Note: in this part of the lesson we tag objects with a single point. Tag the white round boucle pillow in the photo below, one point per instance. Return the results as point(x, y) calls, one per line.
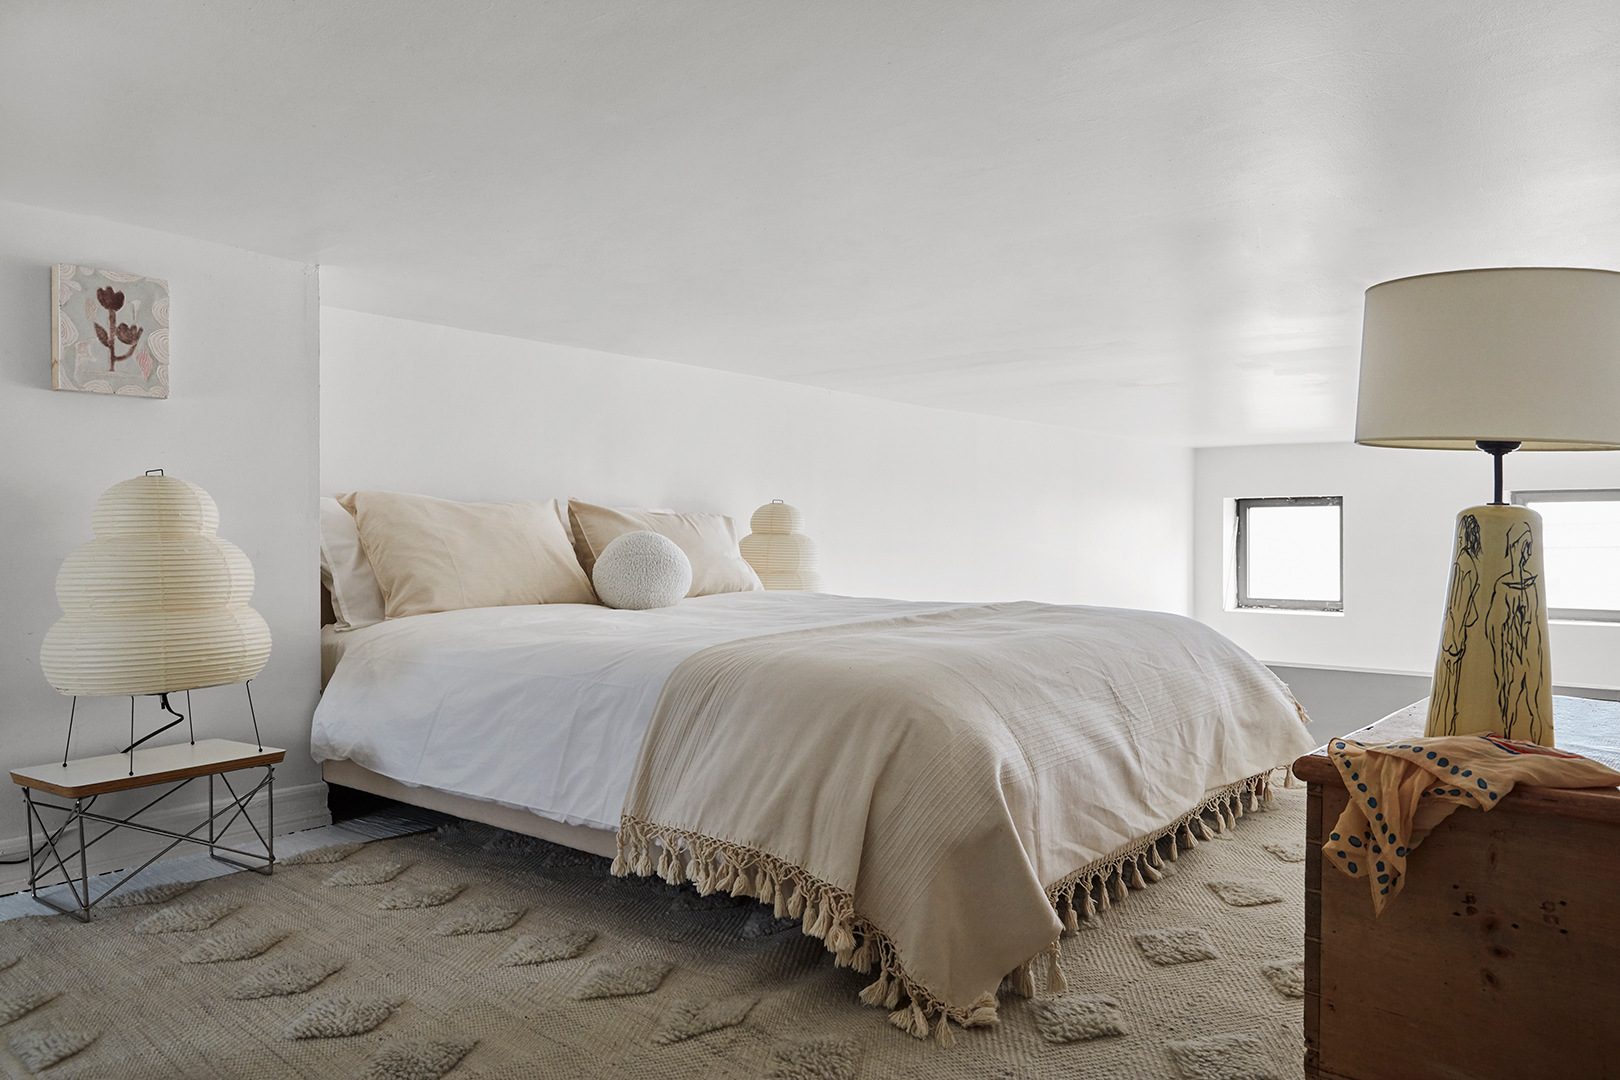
point(641, 570)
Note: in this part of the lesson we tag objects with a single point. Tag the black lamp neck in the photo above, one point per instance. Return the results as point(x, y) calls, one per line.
point(1497, 450)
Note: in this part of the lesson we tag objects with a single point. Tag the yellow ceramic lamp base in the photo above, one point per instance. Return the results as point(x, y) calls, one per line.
point(1494, 670)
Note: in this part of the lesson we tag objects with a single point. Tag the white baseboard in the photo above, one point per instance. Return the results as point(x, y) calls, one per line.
point(297, 808)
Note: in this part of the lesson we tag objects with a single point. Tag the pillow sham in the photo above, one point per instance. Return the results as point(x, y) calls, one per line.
point(709, 541)
point(357, 599)
point(582, 550)
point(437, 555)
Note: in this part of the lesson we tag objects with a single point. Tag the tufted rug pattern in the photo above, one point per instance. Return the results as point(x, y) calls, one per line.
point(475, 953)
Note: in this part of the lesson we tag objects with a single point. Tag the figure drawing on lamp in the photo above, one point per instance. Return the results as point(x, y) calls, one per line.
point(1514, 629)
point(1462, 612)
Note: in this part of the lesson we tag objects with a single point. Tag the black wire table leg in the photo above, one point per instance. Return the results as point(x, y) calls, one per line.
point(33, 875)
point(84, 860)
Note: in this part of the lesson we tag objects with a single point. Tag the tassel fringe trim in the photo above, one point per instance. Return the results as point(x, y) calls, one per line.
point(826, 912)
point(829, 913)
point(1088, 890)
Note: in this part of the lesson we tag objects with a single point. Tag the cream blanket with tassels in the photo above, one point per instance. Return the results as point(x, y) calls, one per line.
point(931, 792)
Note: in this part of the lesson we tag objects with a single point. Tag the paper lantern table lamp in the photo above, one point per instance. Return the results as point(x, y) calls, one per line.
point(156, 603)
point(778, 550)
point(1500, 360)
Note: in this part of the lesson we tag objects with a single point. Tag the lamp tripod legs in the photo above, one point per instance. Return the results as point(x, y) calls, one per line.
point(72, 711)
point(248, 686)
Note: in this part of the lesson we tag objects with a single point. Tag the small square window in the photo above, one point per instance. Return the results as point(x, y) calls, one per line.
point(1580, 551)
point(1289, 553)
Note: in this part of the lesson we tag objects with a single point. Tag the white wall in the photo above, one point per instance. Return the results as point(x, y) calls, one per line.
point(903, 501)
point(1399, 507)
point(242, 423)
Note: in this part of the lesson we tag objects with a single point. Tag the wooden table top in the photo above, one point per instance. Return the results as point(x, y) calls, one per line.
point(1584, 726)
point(153, 765)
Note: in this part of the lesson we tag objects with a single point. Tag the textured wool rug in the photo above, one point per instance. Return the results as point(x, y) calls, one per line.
point(475, 953)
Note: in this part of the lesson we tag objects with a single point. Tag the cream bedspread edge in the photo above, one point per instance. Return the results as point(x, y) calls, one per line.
point(933, 793)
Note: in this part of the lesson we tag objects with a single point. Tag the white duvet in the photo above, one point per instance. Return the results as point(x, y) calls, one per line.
point(542, 708)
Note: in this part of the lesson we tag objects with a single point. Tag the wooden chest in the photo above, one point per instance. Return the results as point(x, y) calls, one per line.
point(1501, 957)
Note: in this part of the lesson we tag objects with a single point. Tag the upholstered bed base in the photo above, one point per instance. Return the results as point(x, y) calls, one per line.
point(582, 837)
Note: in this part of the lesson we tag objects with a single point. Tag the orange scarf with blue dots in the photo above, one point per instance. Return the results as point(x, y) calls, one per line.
point(1400, 791)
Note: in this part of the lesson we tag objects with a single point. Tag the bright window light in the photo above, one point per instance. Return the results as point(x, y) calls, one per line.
point(1581, 551)
point(1289, 553)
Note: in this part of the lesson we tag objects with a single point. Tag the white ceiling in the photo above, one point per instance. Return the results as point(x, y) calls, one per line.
point(1153, 219)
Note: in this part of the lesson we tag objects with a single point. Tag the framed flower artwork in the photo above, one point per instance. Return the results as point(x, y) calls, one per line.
point(111, 332)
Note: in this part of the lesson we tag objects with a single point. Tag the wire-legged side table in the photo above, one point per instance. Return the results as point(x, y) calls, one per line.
point(85, 779)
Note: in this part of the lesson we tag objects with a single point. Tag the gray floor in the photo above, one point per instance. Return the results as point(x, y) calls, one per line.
point(1340, 701)
point(397, 820)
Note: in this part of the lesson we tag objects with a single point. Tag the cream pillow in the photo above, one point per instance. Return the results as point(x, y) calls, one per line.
point(709, 540)
point(436, 555)
point(357, 599)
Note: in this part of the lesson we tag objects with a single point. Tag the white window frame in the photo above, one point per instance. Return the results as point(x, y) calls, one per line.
point(1525, 498)
point(1240, 558)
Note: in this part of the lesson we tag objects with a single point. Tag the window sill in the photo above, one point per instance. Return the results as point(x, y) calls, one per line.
point(1284, 611)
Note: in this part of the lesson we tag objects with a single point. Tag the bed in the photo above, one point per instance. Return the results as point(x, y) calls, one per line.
point(937, 791)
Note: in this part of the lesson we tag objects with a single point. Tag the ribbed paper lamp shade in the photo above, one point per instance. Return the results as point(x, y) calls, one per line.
point(156, 602)
point(778, 550)
point(1522, 354)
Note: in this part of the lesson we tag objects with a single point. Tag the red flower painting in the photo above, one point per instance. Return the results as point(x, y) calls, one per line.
point(115, 333)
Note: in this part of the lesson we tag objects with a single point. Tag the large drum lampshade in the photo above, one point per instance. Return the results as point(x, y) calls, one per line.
point(1525, 354)
point(156, 602)
point(780, 553)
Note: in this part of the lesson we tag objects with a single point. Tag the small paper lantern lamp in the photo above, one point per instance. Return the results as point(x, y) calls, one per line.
point(778, 550)
point(156, 602)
